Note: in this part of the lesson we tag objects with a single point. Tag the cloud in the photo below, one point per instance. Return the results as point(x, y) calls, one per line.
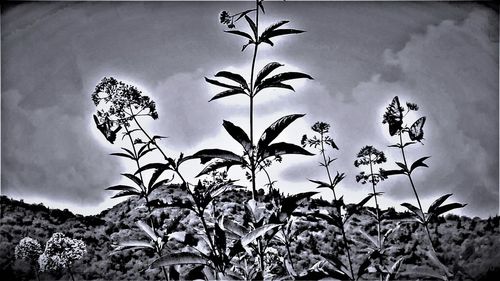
point(451, 71)
point(49, 154)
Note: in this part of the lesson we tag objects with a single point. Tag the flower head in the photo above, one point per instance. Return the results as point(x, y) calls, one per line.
point(61, 252)
point(28, 249)
point(321, 127)
point(224, 17)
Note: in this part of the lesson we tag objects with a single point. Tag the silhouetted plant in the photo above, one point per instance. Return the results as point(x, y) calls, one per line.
point(342, 213)
point(394, 117)
point(370, 156)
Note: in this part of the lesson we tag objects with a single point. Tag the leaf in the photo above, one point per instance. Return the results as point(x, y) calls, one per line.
point(152, 166)
point(178, 259)
point(240, 33)
point(119, 154)
point(290, 203)
point(389, 232)
point(281, 148)
point(148, 230)
point(274, 85)
point(234, 77)
point(157, 173)
point(438, 202)
point(228, 93)
point(363, 268)
point(126, 193)
point(233, 227)
point(414, 210)
point(266, 70)
point(275, 129)
point(443, 209)
point(393, 271)
point(128, 151)
point(402, 166)
point(278, 78)
point(432, 255)
point(321, 184)
point(238, 134)
point(331, 219)
point(217, 164)
point(160, 183)
point(252, 25)
point(146, 151)
point(206, 155)
point(280, 32)
point(256, 233)
point(133, 244)
point(387, 173)
point(220, 84)
point(134, 178)
point(370, 239)
point(419, 163)
point(121, 187)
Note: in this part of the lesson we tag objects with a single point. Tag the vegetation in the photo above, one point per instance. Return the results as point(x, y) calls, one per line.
point(208, 227)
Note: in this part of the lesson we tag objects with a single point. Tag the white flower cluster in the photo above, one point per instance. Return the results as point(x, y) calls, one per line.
point(61, 252)
point(28, 249)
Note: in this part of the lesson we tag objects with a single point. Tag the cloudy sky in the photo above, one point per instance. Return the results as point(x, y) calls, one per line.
point(442, 56)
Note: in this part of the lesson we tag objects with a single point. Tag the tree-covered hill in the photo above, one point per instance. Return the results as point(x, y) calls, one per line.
point(470, 247)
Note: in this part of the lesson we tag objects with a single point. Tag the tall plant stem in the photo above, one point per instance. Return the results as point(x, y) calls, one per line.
point(339, 210)
point(376, 212)
point(165, 273)
point(416, 194)
point(253, 165)
point(184, 182)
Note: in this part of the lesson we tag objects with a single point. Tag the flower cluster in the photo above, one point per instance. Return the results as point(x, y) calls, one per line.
point(28, 249)
point(61, 252)
point(321, 128)
point(368, 155)
point(121, 102)
point(227, 19)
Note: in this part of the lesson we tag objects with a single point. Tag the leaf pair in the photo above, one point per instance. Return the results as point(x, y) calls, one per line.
point(435, 209)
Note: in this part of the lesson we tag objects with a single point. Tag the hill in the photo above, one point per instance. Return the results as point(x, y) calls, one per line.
point(470, 247)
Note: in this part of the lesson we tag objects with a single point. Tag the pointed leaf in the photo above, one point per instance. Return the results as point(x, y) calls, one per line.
point(252, 25)
point(238, 134)
point(234, 77)
point(126, 193)
point(275, 129)
point(121, 187)
point(414, 210)
point(228, 93)
point(150, 166)
point(134, 178)
point(234, 227)
point(133, 244)
point(218, 164)
point(119, 154)
point(280, 32)
point(256, 233)
point(438, 202)
point(393, 271)
point(278, 78)
point(206, 155)
point(443, 209)
point(240, 33)
point(160, 183)
point(290, 203)
point(179, 259)
point(321, 184)
point(265, 71)
point(419, 163)
point(157, 173)
point(282, 148)
point(220, 84)
point(148, 230)
point(270, 28)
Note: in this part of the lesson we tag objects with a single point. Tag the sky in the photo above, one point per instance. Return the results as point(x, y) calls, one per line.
point(441, 55)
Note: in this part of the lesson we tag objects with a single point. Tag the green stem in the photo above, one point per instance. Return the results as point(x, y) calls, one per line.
point(377, 213)
point(339, 209)
point(416, 194)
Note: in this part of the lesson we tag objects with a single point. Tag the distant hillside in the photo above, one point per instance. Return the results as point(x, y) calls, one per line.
point(470, 247)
